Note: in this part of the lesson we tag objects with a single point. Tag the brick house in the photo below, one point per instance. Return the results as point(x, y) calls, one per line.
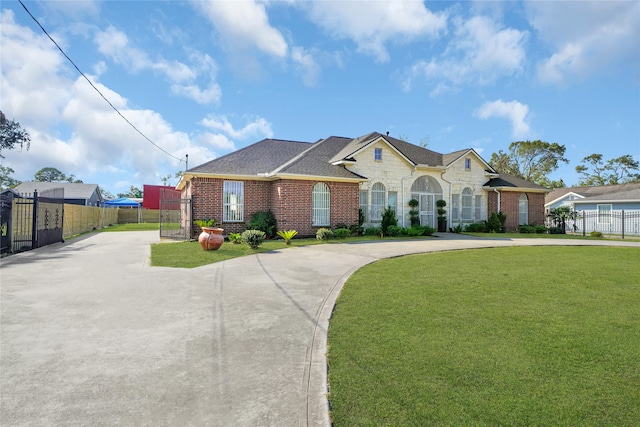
point(321, 184)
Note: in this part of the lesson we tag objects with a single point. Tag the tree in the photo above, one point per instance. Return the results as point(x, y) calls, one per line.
point(49, 174)
point(134, 192)
point(6, 181)
point(530, 160)
point(424, 142)
point(166, 179)
point(105, 194)
point(11, 134)
point(612, 172)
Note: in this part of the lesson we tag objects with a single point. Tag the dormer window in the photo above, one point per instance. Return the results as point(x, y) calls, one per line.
point(467, 164)
point(377, 154)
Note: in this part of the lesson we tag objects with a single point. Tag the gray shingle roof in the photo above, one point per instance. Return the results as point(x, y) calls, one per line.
point(506, 180)
point(590, 191)
point(71, 190)
point(619, 196)
point(262, 157)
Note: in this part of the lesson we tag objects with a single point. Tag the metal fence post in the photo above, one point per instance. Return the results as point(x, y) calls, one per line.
point(34, 221)
point(623, 223)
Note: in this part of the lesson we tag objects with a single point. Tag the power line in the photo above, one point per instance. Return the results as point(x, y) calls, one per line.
point(96, 89)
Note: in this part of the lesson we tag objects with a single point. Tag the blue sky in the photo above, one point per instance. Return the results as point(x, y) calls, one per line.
point(207, 78)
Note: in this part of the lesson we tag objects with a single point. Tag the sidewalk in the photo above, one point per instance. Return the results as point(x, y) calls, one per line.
point(91, 335)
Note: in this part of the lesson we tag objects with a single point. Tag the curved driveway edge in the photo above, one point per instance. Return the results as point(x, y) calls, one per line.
point(91, 335)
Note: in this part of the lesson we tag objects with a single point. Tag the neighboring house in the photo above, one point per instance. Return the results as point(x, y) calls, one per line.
point(74, 193)
point(566, 196)
point(612, 209)
point(321, 184)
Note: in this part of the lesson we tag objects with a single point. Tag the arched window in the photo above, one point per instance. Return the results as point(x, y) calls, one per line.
point(523, 209)
point(378, 194)
point(321, 204)
point(467, 205)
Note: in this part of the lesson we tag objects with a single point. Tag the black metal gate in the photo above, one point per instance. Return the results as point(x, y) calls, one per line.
point(36, 221)
point(175, 215)
point(6, 202)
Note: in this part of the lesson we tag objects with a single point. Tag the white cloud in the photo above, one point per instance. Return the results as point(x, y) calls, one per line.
point(479, 53)
point(306, 65)
point(258, 128)
point(244, 24)
point(586, 37)
point(513, 111)
point(373, 24)
point(115, 45)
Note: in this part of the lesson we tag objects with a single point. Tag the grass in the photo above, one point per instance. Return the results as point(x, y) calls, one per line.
point(190, 254)
point(510, 336)
point(549, 236)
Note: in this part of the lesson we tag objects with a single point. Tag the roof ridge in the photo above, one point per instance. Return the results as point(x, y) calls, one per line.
point(298, 157)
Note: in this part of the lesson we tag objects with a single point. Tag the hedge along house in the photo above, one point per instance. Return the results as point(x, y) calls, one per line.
point(321, 184)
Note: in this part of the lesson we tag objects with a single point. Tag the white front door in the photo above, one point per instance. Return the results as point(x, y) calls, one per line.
point(427, 209)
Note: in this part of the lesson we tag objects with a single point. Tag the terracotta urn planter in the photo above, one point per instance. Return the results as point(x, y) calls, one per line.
point(211, 238)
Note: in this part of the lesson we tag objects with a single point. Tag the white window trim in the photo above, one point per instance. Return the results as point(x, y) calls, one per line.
point(377, 151)
point(520, 212)
point(467, 164)
point(321, 205)
point(237, 206)
point(604, 218)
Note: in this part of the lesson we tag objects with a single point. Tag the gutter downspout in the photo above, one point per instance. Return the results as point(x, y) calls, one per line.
point(402, 186)
point(496, 190)
point(450, 191)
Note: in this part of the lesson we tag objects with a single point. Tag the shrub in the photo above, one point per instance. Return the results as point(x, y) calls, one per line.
point(526, 229)
point(388, 219)
point(540, 229)
point(596, 234)
point(263, 221)
point(235, 238)
point(414, 214)
point(372, 231)
point(209, 222)
point(253, 238)
point(287, 235)
point(414, 231)
point(556, 230)
point(442, 212)
point(457, 229)
point(340, 225)
point(476, 227)
point(394, 231)
point(324, 234)
point(428, 231)
point(493, 223)
point(356, 229)
point(341, 233)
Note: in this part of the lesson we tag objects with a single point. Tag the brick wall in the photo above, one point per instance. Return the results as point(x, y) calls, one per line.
point(509, 204)
point(289, 200)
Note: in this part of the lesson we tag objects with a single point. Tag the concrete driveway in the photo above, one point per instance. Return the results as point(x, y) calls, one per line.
point(92, 335)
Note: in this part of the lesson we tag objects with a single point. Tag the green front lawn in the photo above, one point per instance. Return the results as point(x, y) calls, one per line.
point(514, 336)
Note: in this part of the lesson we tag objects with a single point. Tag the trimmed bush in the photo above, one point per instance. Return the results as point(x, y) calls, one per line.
point(394, 231)
point(476, 227)
point(493, 223)
point(596, 234)
point(324, 234)
point(264, 221)
point(526, 229)
point(556, 230)
point(372, 231)
point(388, 219)
point(540, 229)
point(253, 238)
point(341, 233)
point(414, 231)
point(235, 238)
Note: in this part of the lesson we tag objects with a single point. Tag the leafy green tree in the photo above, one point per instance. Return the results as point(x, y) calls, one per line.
point(105, 194)
point(49, 174)
point(597, 172)
point(134, 192)
point(6, 180)
point(11, 134)
point(530, 160)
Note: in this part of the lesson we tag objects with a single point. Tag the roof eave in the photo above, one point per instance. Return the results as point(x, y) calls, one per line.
point(519, 189)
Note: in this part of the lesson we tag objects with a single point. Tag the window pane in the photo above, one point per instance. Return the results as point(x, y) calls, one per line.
point(455, 207)
point(393, 201)
point(233, 201)
point(377, 201)
point(478, 206)
point(467, 205)
point(364, 202)
point(523, 210)
point(321, 204)
point(604, 214)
